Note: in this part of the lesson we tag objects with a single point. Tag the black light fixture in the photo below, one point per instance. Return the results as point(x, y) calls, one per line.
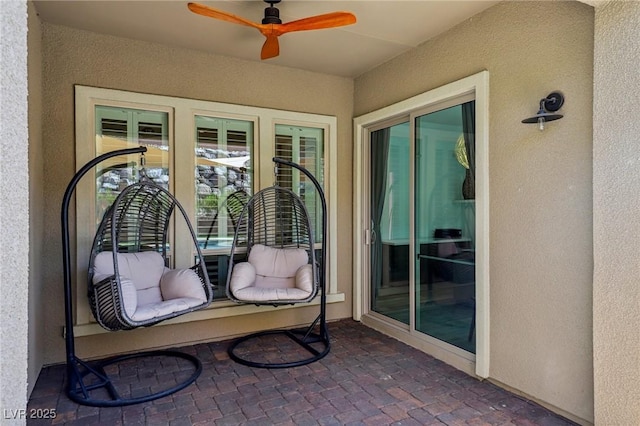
point(548, 107)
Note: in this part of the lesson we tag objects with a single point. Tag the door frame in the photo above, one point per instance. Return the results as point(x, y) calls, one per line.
point(477, 84)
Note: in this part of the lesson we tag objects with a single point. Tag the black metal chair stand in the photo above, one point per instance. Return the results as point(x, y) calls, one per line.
point(305, 338)
point(86, 380)
point(88, 383)
point(315, 342)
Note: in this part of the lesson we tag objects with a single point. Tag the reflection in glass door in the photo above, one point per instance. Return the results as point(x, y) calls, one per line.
point(445, 225)
point(389, 213)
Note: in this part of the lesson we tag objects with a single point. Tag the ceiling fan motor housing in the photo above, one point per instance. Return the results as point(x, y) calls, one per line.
point(271, 14)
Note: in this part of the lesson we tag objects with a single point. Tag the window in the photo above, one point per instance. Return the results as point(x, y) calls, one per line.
point(120, 128)
point(304, 146)
point(223, 176)
point(212, 157)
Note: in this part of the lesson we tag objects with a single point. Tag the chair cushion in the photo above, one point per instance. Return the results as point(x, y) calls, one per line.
point(177, 283)
point(247, 286)
point(144, 269)
point(129, 296)
point(304, 278)
point(243, 276)
point(144, 280)
point(276, 262)
point(167, 307)
point(128, 292)
point(261, 294)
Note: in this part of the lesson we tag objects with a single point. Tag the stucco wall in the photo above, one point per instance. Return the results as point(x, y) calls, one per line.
point(540, 185)
point(36, 198)
point(616, 178)
point(78, 57)
point(14, 209)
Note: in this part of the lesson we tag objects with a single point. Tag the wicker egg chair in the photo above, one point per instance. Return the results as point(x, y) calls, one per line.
point(273, 262)
point(130, 285)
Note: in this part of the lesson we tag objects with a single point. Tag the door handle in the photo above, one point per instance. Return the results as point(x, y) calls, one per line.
point(373, 235)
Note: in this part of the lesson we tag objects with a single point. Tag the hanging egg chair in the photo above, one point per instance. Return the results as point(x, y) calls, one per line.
point(131, 285)
point(273, 262)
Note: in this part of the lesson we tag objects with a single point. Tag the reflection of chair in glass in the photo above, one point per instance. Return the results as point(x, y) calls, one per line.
point(233, 204)
point(279, 265)
point(130, 285)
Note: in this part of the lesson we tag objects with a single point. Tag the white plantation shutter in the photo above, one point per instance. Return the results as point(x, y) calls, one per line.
point(303, 146)
point(119, 128)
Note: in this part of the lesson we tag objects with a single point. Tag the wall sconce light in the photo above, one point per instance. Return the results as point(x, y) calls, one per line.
point(548, 106)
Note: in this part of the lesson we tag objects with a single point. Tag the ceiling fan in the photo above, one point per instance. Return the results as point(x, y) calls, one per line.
point(272, 27)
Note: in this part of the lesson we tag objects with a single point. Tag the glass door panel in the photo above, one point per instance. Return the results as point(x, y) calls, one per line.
point(445, 226)
point(390, 220)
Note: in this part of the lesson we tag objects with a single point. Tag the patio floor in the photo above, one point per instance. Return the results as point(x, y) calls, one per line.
point(366, 379)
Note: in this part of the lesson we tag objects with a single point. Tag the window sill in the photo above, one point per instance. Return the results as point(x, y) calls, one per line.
point(222, 309)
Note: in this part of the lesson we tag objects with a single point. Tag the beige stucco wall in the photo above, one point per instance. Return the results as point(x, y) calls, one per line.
point(540, 185)
point(616, 178)
point(77, 57)
point(14, 211)
point(36, 198)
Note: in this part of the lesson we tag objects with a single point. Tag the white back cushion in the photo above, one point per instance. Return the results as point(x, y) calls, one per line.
point(276, 262)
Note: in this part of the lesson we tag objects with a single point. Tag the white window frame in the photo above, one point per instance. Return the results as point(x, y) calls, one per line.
point(182, 143)
point(477, 84)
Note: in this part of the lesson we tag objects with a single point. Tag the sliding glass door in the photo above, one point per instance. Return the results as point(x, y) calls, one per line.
point(422, 214)
point(445, 225)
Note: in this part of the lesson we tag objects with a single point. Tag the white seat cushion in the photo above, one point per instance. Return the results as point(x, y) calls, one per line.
point(167, 307)
point(258, 294)
point(273, 274)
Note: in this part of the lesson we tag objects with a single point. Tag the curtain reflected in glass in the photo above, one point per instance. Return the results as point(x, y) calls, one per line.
point(390, 222)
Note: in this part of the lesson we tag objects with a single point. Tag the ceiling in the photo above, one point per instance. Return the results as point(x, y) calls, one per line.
point(384, 29)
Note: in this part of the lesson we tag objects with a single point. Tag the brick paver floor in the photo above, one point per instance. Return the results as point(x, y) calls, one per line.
point(366, 379)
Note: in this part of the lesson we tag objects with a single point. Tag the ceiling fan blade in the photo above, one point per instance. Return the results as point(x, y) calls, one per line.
point(210, 12)
point(318, 22)
point(270, 48)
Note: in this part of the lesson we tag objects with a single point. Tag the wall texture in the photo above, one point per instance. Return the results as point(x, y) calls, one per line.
point(616, 178)
point(540, 185)
point(77, 57)
point(14, 209)
point(36, 199)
